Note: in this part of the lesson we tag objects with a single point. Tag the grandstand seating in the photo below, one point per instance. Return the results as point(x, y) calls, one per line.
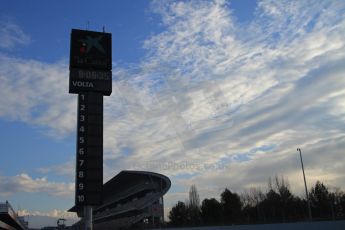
point(130, 199)
point(9, 218)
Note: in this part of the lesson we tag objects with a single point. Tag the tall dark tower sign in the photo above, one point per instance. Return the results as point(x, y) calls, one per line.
point(90, 78)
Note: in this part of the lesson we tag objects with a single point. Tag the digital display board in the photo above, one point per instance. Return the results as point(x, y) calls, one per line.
point(90, 62)
point(83, 80)
point(90, 50)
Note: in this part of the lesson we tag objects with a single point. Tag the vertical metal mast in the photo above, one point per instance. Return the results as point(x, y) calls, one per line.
point(305, 185)
point(88, 217)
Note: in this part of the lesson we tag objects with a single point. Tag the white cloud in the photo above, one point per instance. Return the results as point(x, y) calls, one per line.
point(37, 93)
point(24, 183)
point(211, 92)
point(65, 169)
point(11, 34)
point(173, 93)
point(53, 213)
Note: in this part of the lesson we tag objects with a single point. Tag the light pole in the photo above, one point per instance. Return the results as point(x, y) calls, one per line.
point(305, 185)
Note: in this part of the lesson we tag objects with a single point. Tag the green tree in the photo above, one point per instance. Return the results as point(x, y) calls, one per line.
point(272, 206)
point(211, 212)
point(321, 201)
point(339, 204)
point(231, 207)
point(279, 203)
point(286, 199)
point(178, 215)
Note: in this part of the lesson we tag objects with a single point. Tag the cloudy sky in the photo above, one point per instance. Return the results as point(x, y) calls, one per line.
point(212, 93)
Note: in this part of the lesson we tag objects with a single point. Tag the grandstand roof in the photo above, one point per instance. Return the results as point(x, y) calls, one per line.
point(126, 179)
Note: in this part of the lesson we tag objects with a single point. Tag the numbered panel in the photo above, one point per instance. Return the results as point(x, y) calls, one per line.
point(89, 160)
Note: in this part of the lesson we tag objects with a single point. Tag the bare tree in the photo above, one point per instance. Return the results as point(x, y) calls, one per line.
point(194, 213)
point(194, 199)
point(251, 200)
point(252, 197)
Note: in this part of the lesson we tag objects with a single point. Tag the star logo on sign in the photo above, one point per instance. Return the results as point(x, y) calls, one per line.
point(91, 42)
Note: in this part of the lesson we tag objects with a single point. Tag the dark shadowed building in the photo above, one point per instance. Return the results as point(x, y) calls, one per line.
point(9, 219)
point(131, 199)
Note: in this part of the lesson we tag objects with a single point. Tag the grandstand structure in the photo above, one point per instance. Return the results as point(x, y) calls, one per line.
point(9, 218)
point(131, 199)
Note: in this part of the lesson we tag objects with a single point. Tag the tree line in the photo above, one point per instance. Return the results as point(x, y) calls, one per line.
point(276, 204)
